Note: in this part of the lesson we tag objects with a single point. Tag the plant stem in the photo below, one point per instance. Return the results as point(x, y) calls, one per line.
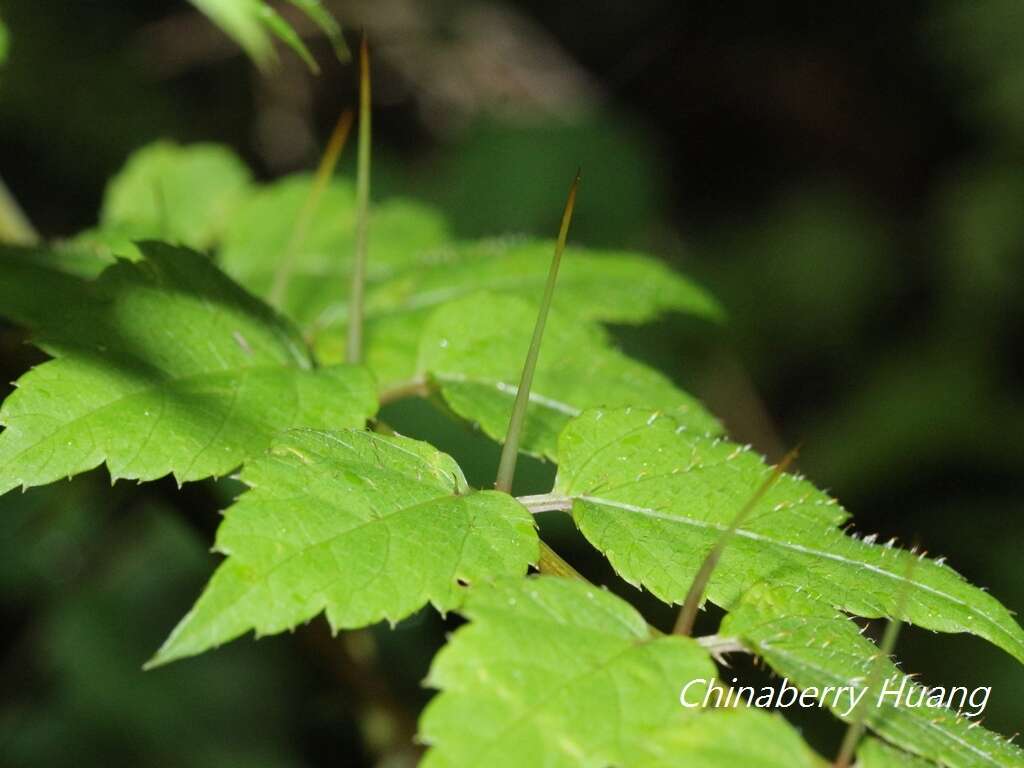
point(354, 347)
point(688, 614)
point(324, 171)
point(551, 563)
point(510, 451)
point(415, 387)
point(545, 502)
point(14, 224)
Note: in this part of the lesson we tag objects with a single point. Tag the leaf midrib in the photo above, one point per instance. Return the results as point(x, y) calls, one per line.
point(799, 548)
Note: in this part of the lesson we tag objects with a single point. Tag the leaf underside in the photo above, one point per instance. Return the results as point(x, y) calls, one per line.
point(362, 526)
point(654, 497)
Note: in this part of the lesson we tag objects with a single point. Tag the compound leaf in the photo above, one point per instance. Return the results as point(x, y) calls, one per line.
point(814, 645)
point(362, 526)
point(654, 496)
point(161, 366)
point(474, 349)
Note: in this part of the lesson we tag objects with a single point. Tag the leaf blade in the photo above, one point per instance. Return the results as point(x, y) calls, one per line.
point(165, 366)
point(473, 348)
point(814, 645)
point(361, 526)
point(654, 497)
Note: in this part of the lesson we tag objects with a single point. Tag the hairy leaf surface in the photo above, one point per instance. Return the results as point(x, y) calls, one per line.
point(362, 526)
point(814, 645)
point(556, 672)
point(655, 496)
point(163, 366)
point(474, 349)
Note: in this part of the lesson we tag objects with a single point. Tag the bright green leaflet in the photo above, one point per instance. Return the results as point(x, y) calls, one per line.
point(166, 366)
point(553, 672)
point(474, 348)
point(654, 496)
point(873, 753)
point(726, 738)
point(263, 229)
point(611, 286)
point(362, 526)
point(248, 22)
point(815, 646)
point(181, 194)
point(614, 286)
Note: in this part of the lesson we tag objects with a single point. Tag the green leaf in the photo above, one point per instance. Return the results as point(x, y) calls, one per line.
point(362, 526)
point(726, 738)
point(5, 42)
point(873, 753)
point(814, 645)
point(181, 194)
point(262, 229)
point(552, 672)
point(34, 281)
point(611, 286)
point(655, 496)
point(248, 22)
point(163, 366)
point(474, 349)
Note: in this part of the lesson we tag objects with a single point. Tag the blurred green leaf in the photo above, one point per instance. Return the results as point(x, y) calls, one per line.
point(180, 194)
point(248, 22)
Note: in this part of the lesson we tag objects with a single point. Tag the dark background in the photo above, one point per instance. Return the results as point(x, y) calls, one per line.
point(847, 178)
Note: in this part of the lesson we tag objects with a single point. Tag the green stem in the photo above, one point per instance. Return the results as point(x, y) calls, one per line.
point(545, 502)
point(415, 387)
point(354, 347)
point(323, 175)
point(510, 451)
point(14, 224)
point(551, 563)
point(688, 614)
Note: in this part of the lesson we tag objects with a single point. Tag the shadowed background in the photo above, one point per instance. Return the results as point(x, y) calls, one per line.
point(847, 179)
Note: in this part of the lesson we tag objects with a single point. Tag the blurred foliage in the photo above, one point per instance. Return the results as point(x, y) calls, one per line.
point(872, 290)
